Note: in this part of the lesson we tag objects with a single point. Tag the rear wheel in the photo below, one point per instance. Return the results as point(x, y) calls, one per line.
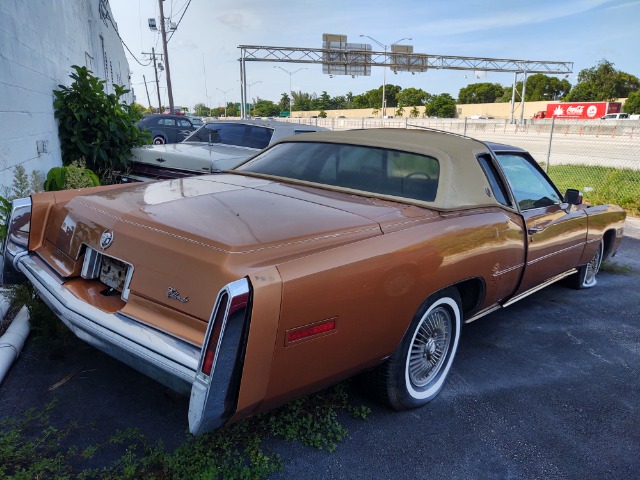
point(586, 276)
point(417, 370)
point(159, 140)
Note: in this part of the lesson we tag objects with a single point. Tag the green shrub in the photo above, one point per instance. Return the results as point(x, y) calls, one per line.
point(96, 126)
point(73, 176)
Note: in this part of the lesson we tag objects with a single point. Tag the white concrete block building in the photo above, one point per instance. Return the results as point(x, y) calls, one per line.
point(39, 42)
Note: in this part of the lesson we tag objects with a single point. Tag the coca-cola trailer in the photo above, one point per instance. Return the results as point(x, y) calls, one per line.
point(579, 110)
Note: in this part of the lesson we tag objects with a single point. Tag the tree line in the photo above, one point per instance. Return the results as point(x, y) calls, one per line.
point(602, 82)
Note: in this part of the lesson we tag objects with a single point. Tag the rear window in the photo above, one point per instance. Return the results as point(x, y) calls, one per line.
point(374, 170)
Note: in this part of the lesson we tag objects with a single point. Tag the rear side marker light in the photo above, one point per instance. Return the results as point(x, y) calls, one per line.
point(311, 331)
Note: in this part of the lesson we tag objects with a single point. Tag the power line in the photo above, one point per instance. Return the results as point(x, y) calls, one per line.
point(181, 17)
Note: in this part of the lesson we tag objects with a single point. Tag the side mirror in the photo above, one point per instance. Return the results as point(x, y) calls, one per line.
point(573, 197)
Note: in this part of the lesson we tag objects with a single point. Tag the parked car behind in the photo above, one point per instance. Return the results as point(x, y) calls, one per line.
point(214, 147)
point(165, 128)
point(326, 255)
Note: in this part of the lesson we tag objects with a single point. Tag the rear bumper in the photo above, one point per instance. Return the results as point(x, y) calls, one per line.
point(158, 355)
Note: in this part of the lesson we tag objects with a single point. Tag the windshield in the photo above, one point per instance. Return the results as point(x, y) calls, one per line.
point(252, 136)
point(374, 170)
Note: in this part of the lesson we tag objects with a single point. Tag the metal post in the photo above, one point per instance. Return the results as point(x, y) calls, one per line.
point(553, 122)
point(243, 86)
point(464, 133)
point(524, 91)
point(384, 85)
point(513, 95)
point(166, 56)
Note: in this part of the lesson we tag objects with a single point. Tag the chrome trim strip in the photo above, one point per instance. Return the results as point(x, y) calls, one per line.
point(510, 269)
point(539, 287)
point(549, 255)
point(484, 312)
point(162, 357)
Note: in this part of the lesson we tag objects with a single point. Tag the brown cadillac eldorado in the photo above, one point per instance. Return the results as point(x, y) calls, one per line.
point(326, 255)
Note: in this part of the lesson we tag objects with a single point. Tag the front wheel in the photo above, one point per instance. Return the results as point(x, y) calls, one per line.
point(586, 276)
point(159, 140)
point(417, 370)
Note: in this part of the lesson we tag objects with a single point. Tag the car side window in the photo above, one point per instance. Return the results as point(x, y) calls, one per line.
point(259, 137)
point(530, 186)
point(490, 171)
point(184, 123)
point(167, 122)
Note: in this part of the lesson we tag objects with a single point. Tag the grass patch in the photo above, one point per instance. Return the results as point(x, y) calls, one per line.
point(614, 267)
point(32, 448)
point(601, 184)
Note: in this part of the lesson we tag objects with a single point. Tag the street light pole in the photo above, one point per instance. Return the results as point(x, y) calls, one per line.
point(291, 74)
point(384, 75)
point(224, 92)
point(249, 99)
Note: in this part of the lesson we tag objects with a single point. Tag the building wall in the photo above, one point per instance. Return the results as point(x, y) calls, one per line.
point(39, 42)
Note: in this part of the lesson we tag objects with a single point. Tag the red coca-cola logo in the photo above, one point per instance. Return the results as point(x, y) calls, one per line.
point(577, 110)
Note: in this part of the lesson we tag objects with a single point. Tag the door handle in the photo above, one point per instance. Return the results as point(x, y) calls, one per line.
point(160, 159)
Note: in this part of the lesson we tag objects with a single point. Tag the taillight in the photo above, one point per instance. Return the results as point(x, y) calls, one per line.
point(231, 301)
point(16, 242)
point(221, 313)
point(18, 226)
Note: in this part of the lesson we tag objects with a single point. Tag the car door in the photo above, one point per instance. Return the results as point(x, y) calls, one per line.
point(556, 231)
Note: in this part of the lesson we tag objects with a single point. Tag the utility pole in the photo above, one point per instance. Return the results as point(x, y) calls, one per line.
point(147, 89)
point(166, 56)
point(155, 69)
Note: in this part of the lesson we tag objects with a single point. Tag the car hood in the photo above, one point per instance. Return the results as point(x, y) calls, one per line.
point(221, 157)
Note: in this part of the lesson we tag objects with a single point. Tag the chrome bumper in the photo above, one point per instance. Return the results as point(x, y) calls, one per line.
point(162, 357)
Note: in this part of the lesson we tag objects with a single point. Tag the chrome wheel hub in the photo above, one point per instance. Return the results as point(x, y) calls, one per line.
point(428, 351)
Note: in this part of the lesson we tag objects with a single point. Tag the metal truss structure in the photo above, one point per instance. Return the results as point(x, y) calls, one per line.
point(343, 61)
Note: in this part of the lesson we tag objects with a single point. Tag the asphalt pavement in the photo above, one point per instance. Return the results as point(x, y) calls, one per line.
point(547, 388)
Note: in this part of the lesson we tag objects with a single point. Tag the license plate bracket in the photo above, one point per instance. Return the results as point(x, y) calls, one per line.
point(113, 273)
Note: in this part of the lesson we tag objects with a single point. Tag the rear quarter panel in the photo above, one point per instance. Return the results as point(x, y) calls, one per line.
point(373, 288)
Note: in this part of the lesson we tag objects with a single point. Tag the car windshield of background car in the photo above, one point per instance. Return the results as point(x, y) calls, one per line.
point(374, 170)
point(242, 135)
point(530, 187)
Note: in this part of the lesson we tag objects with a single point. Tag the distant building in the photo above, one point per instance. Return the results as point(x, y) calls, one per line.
point(39, 42)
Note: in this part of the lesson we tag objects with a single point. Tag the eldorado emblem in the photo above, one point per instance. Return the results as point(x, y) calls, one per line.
point(175, 295)
point(106, 239)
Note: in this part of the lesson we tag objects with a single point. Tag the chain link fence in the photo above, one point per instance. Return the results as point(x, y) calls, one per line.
point(599, 157)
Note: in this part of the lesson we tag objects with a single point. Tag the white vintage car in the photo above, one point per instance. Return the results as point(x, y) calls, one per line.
point(214, 147)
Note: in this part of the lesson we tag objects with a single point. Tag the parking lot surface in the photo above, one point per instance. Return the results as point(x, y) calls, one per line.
point(547, 388)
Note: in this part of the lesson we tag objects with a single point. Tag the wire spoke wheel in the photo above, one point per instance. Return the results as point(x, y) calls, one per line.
point(429, 347)
point(592, 268)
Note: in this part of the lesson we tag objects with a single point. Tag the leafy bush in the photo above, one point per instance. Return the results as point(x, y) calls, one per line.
point(71, 177)
point(96, 126)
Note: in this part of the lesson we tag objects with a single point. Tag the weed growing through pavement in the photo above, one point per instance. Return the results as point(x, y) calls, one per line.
point(31, 448)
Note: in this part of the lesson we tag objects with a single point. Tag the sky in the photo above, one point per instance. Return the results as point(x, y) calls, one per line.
point(203, 51)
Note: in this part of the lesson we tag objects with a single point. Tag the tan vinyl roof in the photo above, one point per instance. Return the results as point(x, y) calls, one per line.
point(462, 181)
